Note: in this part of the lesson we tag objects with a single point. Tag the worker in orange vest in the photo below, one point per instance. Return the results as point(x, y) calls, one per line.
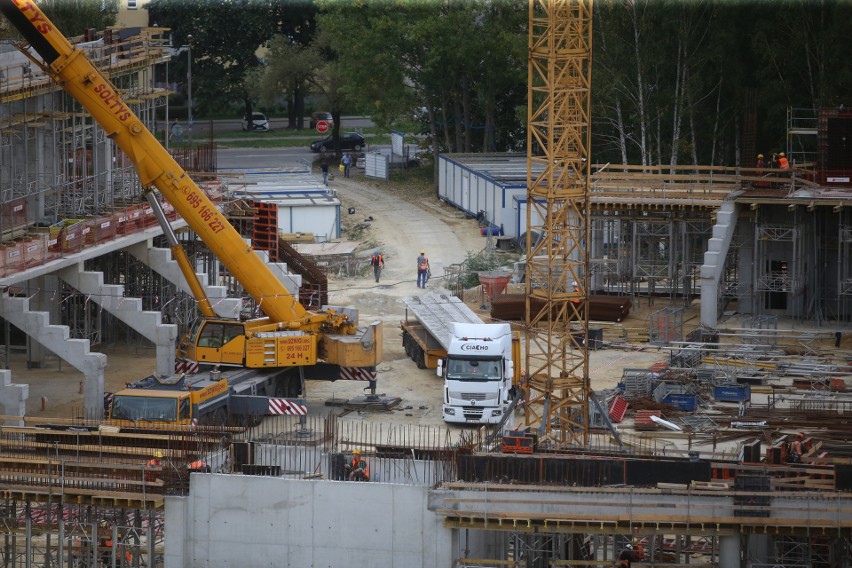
point(358, 468)
point(199, 466)
point(781, 161)
point(796, 449)
point(377, 261)
point(153, 467)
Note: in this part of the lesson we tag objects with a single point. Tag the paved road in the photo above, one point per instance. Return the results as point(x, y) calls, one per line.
point(229, 159)
point(224, 126)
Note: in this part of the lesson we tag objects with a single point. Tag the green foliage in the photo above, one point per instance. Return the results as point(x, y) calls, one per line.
point(226, 37)
point(74, 17)
point(475, 263)
point(464, 62)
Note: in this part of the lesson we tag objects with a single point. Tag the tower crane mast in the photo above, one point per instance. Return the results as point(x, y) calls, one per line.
point(558, 228)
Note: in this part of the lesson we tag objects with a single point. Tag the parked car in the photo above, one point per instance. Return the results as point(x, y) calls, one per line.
point(258, 120)
point(326, 116)
point(348, 141)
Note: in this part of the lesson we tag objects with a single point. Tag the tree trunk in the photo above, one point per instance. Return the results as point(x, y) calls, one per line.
point(466, 122)
point(457, 124)
point(622, 139)
point(640, 89)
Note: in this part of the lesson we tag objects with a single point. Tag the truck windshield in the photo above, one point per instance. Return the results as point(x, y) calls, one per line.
point(144, 408)
point(474, 369)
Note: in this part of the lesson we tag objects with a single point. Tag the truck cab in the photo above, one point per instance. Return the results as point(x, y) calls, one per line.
point(174, 400)
point(478, 373)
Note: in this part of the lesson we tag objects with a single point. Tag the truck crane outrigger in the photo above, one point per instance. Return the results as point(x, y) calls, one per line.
point(322, 344)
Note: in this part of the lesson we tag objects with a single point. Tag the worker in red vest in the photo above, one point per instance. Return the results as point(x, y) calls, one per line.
point(781, 161)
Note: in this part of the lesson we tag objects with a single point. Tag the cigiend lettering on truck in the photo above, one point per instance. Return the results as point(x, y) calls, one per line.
point(36, 19)
point(475, 347)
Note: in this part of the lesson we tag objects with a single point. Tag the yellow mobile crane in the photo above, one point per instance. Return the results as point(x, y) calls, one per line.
point(325, 344)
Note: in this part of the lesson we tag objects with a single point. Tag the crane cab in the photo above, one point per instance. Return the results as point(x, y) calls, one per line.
point(234, 343)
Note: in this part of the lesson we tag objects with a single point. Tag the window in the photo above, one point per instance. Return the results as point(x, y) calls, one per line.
point(131, 4)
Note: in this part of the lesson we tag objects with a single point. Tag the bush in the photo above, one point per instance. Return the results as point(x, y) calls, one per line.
point(475, 263)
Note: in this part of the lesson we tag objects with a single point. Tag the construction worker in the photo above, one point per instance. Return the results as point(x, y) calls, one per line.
point(358, 468)
point(761, 164)
point(422, 269)
point(796, 449)
point(377, 261)
point(153, 467)
point(105, 543)
point(782, 162)
point(624, 558)
point(199, 466)
point(576, 288)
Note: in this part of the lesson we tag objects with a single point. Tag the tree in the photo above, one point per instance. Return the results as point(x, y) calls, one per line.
point(74, 17)
point(222, 55)
point(463, 62)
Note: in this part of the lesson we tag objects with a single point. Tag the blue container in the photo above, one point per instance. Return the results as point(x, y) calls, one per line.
point(685, 402)
point(732, 393)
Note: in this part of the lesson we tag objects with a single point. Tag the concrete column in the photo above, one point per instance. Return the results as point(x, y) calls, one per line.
point(597, 279)
point(13, 398)
point(729, 551)
point(759, 549)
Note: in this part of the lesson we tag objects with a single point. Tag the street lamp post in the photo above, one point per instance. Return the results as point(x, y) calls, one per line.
point(190, 120)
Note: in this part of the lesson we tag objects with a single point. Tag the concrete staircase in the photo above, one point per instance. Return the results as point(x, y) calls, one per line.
point(714, 262)
point(129, 311)
point(56, 338)
point(160, 260)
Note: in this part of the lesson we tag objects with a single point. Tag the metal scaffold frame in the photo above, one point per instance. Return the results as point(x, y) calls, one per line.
point(558, 140)
point(844, 263)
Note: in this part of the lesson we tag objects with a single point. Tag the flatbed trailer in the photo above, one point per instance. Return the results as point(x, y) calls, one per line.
point(426, 328)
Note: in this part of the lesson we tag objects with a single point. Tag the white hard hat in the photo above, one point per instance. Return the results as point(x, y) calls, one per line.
point(574, 283)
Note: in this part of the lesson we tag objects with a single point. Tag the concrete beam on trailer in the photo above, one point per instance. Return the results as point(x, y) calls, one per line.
point(437, 311)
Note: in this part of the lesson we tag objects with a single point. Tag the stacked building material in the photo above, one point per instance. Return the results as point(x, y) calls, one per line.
point(601, 308)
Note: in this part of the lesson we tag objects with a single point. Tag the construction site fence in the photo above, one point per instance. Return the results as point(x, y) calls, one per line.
point(40, 245)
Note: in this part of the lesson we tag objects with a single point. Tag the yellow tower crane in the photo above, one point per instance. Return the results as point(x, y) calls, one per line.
point(557, 268)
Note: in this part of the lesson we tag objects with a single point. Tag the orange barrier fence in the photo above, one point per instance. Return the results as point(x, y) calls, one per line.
point(40, 245)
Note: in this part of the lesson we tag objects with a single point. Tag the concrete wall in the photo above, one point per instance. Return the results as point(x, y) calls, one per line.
point(237, 521)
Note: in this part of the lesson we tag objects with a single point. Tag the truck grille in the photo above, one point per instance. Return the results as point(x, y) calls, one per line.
point(471, 413)
point(470, 395)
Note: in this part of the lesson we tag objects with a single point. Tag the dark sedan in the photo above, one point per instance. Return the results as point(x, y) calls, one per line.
point(348, 141)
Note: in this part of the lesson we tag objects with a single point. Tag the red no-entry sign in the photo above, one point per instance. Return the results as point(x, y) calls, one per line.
point(322, 126)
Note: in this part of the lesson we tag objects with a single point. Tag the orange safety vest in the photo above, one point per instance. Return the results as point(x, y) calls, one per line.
point(377, 260)
point(423, 265)
point(361, 463)
point(783, 163)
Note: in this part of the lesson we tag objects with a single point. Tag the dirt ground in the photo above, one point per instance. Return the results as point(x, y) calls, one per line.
point(400, 221)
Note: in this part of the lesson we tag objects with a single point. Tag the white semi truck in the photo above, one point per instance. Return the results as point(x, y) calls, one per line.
point(479, 372)
point(479, 362)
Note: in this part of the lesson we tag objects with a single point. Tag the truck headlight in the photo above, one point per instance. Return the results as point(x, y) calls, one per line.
point(497, 412)
point(450, 411)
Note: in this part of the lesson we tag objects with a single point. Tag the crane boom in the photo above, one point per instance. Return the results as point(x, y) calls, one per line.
point(69, 66)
